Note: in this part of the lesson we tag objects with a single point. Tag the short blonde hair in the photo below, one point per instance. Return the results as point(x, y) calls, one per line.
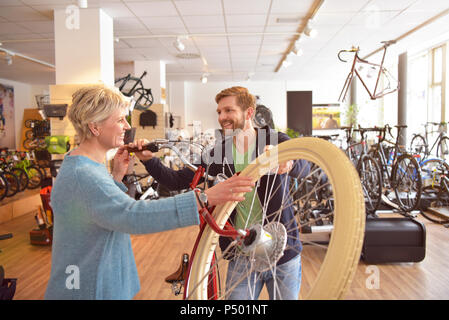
point(245, 99)
point(94, 104)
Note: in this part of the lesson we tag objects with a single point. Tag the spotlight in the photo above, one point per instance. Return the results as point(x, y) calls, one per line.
point(309, 31)
point(179, 45)
point(204, 78)
point(286, 63)
point(82, 4)
point(9, 59)
point(297, 51)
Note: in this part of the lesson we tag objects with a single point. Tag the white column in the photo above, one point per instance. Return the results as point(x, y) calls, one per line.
point(84, 46)
point(155, 78)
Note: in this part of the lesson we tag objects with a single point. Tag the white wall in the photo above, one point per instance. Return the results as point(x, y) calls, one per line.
point(23, 99)
point(199, 100)
point(196, 101)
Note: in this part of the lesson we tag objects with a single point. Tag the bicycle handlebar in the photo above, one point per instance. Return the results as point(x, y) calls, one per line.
point(350, 50)
point(158, 144)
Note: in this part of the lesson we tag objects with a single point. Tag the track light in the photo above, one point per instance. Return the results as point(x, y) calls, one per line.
point(204, 78)
point(8, 58)
point(286, 63)
point(297, 52)
point(310, 31)
point(82, 4)
point(179, 45)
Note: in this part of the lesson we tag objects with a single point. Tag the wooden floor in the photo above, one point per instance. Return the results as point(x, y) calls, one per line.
point(157, 255)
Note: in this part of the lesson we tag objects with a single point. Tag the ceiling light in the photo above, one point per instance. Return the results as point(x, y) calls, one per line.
point(204, 78)
point(310, 31)
point(82, 4)
point(297, 51)
point(8, 57)
point(179, 45)
point(286, 63)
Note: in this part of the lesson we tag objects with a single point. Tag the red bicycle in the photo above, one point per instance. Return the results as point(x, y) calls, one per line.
point(366, 71)
point(329, 218)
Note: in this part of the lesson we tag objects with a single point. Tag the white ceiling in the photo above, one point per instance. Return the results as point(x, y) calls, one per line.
point(234, 37)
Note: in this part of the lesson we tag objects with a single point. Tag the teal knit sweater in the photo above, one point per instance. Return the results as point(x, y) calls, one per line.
point(92, 257)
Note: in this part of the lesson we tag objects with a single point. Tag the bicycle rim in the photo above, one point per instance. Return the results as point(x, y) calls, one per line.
point(35, 177)
point(3, 187)
point(21, 177)
point(443, 149)
point(13, 184)
point(371, 180)
point(407, 182)
point(327, 269)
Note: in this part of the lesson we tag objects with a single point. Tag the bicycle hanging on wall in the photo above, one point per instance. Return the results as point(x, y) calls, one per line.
point(133, 87)
point(360, 66)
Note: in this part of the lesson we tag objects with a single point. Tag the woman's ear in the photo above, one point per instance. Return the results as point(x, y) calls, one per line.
point(94, 129)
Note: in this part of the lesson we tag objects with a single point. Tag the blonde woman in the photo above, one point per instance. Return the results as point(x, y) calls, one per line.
point(92, 257)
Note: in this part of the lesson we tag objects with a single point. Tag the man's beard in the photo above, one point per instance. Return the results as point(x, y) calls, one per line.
point(236, 126)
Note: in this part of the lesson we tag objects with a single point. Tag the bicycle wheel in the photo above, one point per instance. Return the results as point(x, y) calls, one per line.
point(13, 183)
point(371, 180)
point(29, 134)
point(22, 177)
point(35, 177)
point(327, 270)
point(29, 123)
point(418, 146)
point(443, 149)
point(3, 186)
point(406, 182)
point(29, 144)
point(434, 173)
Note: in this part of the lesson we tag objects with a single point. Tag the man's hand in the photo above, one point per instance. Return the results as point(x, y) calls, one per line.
point(283, 167)
point(142, 155)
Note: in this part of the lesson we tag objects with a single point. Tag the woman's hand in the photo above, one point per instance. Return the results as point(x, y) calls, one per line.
point(120, 164)
point(229, 189)
point(142, 155)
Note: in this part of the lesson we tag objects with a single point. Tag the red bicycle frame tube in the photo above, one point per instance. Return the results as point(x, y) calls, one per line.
point(207, 217)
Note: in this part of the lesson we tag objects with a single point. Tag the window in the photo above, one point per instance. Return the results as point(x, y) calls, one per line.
point(435, 105)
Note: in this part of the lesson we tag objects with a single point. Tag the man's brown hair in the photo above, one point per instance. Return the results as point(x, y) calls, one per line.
point(244, 99)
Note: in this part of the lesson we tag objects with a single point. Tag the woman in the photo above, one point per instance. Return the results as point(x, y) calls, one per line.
point(92, 256)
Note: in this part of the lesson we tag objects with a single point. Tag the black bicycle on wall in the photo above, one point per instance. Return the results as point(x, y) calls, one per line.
point(133, 87)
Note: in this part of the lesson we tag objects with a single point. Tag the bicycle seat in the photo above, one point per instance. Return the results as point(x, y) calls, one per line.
point(388, 43)
point(401, 126)
point(181, 273)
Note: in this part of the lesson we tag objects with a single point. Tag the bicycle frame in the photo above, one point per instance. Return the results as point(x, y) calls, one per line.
point(373, 94)
point(437, 140)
